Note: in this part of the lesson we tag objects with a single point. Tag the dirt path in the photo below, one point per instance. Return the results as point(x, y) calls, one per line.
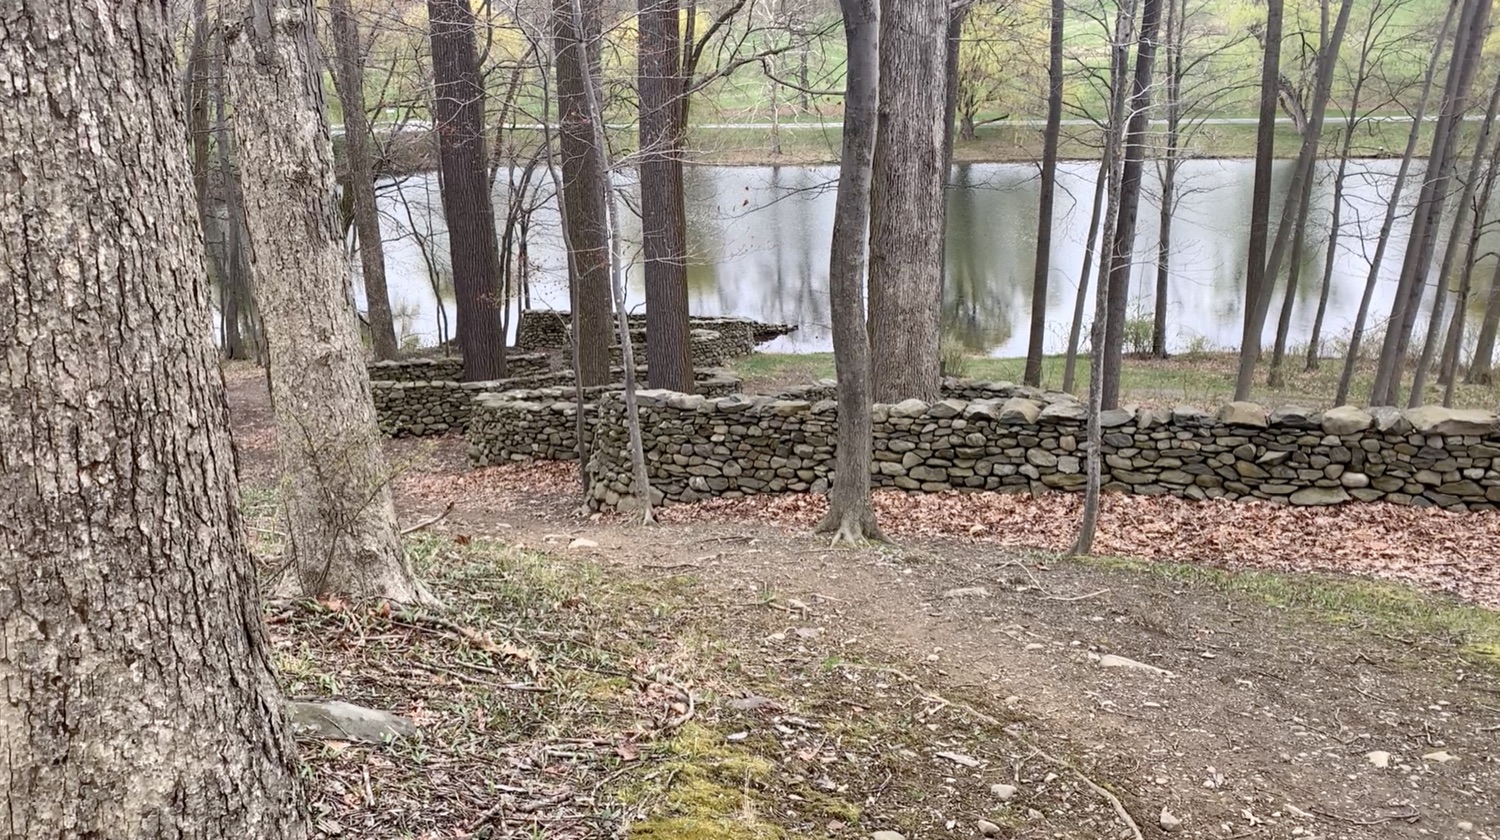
point(1240, 718)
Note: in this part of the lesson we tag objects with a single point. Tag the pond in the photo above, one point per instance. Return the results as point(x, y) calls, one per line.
point(759, 236)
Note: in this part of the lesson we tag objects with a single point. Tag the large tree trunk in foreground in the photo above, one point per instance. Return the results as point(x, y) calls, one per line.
point(906, 202)
point(1260, 202)
point(1130, 201)
point(140, 699)
point(851, 517)
point(349, 76)
point(584, 191)
point(458, 108)
point(669, 361)
point(340, 521)
point(1043, 264)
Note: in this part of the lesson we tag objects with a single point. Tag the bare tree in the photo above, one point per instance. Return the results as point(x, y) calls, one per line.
point(141, 700)
point(1043, 264)
point(584, 192)
point(1468, 41)
point(1176, 26)
point(1481, 367)
point(1392, 207)
point(458, 109)
point(1260, 200)
point(906, 202)
point(341, 523)
point(1123, 247)
point(851, 516)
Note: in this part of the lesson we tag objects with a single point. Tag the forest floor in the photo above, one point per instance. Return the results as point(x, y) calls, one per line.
point(1205, 379)
point(727, 675)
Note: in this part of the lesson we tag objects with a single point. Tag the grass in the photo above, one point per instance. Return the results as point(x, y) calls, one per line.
point(1205, 379)
point(1387, 609)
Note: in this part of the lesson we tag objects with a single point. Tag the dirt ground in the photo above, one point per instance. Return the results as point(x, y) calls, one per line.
point(1115, 699)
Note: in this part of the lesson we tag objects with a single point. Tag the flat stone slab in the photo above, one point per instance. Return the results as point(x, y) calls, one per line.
point(340, 721)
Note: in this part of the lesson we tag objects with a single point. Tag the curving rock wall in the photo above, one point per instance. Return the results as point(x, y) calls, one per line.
point(542, 423)
point(699, 447)
point(438, 368)
point(541, 329)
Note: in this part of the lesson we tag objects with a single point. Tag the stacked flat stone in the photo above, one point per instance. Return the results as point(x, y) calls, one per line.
point(451, 368)
point(699, 447)
point(542, 329)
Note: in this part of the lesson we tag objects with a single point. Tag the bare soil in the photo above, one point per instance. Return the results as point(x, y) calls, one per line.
point(908, 681)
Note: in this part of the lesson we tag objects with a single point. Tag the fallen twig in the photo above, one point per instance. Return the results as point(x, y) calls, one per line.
point(1075, 597)
point(427, 523)
point(1410, 817)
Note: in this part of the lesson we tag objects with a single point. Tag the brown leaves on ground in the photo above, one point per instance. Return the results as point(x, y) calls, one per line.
point(1434, 549)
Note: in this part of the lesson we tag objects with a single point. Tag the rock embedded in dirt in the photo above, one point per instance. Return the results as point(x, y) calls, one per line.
point(1441, 757)
point(346, 722)
point(987, 828)
point(1110, 660)
point(1004, 792)
point(583, 542)
point(967, 592)
point(1380, 758)
point(1168, 821)
point(887, 835)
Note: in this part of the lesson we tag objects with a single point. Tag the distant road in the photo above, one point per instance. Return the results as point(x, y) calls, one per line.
point(423, 125)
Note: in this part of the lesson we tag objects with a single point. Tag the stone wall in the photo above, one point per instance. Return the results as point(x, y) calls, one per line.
point(541, 424)
point(709, 348)
point(438, 368)
point(541, 329)
point(699, 447)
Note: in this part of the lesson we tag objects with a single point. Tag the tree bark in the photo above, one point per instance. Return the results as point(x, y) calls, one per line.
point(1481, 368)
point(1174, 39)
point(1434, 195)
point(349, 79)
point(907, 213)
point(584, 191)
point(1107, 183)
point(458, 109)
point(1260, 199)
point(1042, 266)
point(341, 524)
point(663, 226)
point(1392, 207)
point(1123, 247)
point(141, 702)
point(851, 516)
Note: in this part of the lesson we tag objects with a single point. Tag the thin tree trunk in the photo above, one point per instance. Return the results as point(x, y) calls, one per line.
point(1123, 248)
point(1454, 348)
point(1042, 266)
point(240, 336)
point(851, 516)
point(349, 79)
point(1256, 276)
point(663, 229)
point(341, 524)
point(458, 109)
point(583, 190)
point(1107, 184)
point(1292, 215)
point(197, 95)
point(1430, 204)
point(1462, 213)
point(1274, 377)
point(907, 213)
point(1392, 207)
point(1174, 39)
point(140, 697)
point(1481, 369)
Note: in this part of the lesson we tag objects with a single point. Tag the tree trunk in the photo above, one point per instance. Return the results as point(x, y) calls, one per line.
point(1434, 195)
point(1481, 369)
point(458, 109)
point(1465, 210)
point(906, 203)
point(1460, 315)
point(241, 337)
point(851, 517)
point(1123, 248)
point(341, 523)
point(1107, 184)
point(1174, 40)
point(1293, 278)
point(140, 697)
point(1392, 207)
point(349, 78)
point(663, 227)
point(584, 192)
point(1043, 264)
point(197, 95)
point(1260, 200)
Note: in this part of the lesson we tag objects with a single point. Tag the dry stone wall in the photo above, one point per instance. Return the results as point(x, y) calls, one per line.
point(542, 329)
point(542, 423)
point(700, 447)
point(439, 368)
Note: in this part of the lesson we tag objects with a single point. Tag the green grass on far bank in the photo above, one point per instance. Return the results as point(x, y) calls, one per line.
point(1202, 379)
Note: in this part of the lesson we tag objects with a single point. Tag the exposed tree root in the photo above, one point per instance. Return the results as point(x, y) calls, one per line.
point(854, 527)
